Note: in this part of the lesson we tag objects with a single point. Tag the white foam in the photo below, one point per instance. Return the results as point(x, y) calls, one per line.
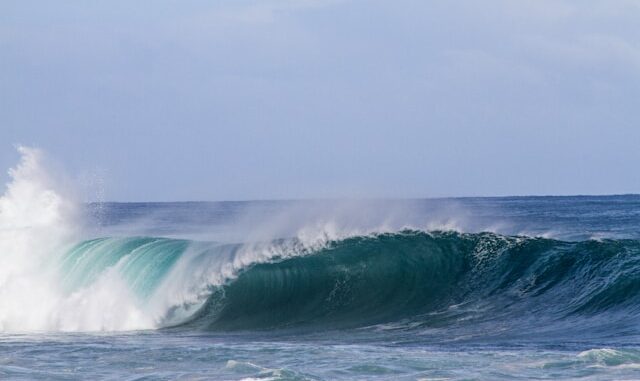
point(37, 223)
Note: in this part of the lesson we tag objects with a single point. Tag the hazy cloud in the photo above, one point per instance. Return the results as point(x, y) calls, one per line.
point(263, 99)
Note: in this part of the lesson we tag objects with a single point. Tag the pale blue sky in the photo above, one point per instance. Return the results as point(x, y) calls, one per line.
point(218, 100)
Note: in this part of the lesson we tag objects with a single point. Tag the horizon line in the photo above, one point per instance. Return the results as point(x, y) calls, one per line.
point(304, 199)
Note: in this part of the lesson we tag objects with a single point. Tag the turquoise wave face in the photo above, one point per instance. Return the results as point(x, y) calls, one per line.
point(141, 261)
point(407, 281)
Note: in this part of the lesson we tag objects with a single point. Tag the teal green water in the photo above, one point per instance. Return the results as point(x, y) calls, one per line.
point(142, 261)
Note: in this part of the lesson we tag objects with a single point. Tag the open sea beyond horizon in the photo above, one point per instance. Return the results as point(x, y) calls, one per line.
point(503, 288)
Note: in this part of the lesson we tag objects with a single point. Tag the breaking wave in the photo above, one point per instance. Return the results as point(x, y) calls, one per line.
point(406, 280)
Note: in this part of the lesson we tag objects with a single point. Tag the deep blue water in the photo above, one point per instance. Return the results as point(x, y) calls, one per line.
point(446, 289)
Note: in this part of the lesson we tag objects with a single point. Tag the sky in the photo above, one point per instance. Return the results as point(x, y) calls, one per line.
point(241, 99)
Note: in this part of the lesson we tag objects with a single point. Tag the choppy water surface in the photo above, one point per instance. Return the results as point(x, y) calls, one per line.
point(170, 356)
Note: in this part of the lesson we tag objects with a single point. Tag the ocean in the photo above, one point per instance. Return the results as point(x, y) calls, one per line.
point(543, 288)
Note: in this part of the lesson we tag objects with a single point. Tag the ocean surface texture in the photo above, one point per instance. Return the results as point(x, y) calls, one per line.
point(452, 289)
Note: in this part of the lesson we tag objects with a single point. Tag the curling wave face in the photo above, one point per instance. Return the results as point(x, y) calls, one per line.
point(408, 281)
point(431, 279)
